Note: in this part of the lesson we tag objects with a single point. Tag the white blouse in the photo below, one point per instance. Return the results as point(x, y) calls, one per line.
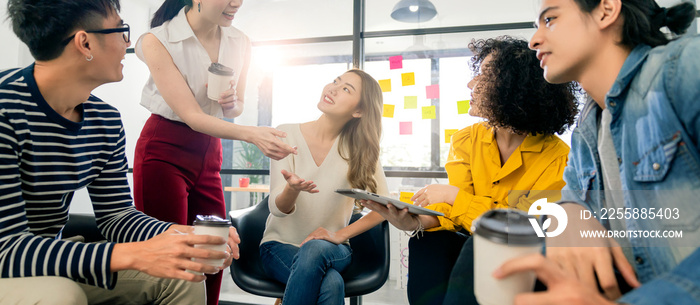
point(192, 60)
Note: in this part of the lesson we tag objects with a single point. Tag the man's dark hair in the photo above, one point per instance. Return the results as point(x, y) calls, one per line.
point(44, 24)
point(515, 94)
point(643, 20)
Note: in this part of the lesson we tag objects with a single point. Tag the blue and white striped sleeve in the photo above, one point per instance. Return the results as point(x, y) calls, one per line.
point(116, 216)
point(23, 254)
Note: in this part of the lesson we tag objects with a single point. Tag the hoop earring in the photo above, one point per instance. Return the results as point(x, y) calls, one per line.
point(199, 7)
point(89, 58)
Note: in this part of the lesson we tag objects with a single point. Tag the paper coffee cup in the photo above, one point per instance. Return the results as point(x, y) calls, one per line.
point(219, 80)
point(211, 225)
point(501, 235)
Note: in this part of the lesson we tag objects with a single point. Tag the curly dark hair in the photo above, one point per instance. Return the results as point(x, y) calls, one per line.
point(515, 94)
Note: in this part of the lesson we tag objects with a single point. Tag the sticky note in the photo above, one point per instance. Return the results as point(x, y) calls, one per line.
point(432, 91)
point(462, 107)
point(405, 128)
point(388, 111)
point(408, 79)
point(428, 112)
point(410, 102)
point(406, 197)
point(448, 134)
point(396, 62)
point(385, 84)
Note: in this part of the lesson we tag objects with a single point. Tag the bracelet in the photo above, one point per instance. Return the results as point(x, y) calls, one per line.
point(418, 232)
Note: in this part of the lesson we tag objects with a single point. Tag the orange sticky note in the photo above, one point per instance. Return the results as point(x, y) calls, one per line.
point(410, 102)
point(405, 128)
point(448, 134)
point(463, 107)
point(429, 112)
point(385, 84)
point(408, 79)
point(388, 111)
point(406, 197)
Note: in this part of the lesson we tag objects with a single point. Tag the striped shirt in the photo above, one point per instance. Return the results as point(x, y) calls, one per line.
point(44, 158)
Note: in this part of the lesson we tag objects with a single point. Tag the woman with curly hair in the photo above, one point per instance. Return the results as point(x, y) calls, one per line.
point(508, 161)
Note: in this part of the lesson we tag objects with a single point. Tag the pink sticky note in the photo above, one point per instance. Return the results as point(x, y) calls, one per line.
point(396, 62)
point(405, 128)
point(432, 91)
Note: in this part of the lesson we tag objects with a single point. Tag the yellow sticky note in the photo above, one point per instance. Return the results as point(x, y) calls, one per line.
point(463, 107)
point(448, 134)
point(429, 112)
point(388, 111)
point(385, 84)
point(410, 102)
point(408, 79)
point(406, 197)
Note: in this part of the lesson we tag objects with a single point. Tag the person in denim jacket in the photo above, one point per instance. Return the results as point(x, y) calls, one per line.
point(635, 147)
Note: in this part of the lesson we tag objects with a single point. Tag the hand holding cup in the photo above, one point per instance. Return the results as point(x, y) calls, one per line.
point(219, 80)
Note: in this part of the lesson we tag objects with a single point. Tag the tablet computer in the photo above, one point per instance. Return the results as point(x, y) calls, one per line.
point(362, 194)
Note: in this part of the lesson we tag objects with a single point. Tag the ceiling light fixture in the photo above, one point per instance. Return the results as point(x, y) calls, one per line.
point(413, 11)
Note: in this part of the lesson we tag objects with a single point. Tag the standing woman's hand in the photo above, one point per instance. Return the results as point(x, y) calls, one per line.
point(230, 103)
point(266, 139)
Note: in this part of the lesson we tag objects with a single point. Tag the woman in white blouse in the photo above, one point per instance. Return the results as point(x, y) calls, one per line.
point(178, 155)
point(305, 244)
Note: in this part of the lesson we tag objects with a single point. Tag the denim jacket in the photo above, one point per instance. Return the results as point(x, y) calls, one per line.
point(655, 108)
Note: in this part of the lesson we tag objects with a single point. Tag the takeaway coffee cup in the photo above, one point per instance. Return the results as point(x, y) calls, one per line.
point(501, 235)
point(211, 225)
point(219, 80)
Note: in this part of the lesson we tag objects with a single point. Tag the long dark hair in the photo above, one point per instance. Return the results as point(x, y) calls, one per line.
point(643, 20)
point(168, 10)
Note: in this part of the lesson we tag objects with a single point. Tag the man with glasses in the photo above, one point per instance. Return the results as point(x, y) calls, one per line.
point(56, 138)
point(123, 28)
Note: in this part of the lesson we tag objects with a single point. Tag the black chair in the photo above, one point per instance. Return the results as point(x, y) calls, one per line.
point(82, 225)
point(367, 272)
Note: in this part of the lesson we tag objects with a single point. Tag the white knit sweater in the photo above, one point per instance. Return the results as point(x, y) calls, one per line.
point(326, 208)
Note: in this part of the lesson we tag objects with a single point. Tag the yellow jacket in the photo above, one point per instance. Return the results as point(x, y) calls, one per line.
point(533, 171)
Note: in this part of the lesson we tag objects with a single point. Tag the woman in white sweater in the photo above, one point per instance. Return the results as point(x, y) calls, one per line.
point(305, 244)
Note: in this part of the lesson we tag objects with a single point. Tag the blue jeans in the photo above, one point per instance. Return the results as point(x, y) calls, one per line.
point(311, 273)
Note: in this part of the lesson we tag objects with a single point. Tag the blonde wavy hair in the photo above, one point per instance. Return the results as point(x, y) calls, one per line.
point(359, 138)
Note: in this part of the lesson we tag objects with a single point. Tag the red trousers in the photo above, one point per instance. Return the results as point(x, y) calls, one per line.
point(176, 178)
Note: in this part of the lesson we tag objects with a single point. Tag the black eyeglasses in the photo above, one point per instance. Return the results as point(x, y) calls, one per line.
point(125, 29)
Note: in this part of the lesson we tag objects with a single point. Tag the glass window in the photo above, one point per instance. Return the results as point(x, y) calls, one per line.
point(442, 60)
point(298, 89)
point(455, 74)
point(285, 81)
point(284, 86)
point(276, 20)
point(405, 135)
point(451, 13)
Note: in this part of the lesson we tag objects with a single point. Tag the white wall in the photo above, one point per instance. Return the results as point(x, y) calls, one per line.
point(13, 53)
point(136, 13)
point(125, 95)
